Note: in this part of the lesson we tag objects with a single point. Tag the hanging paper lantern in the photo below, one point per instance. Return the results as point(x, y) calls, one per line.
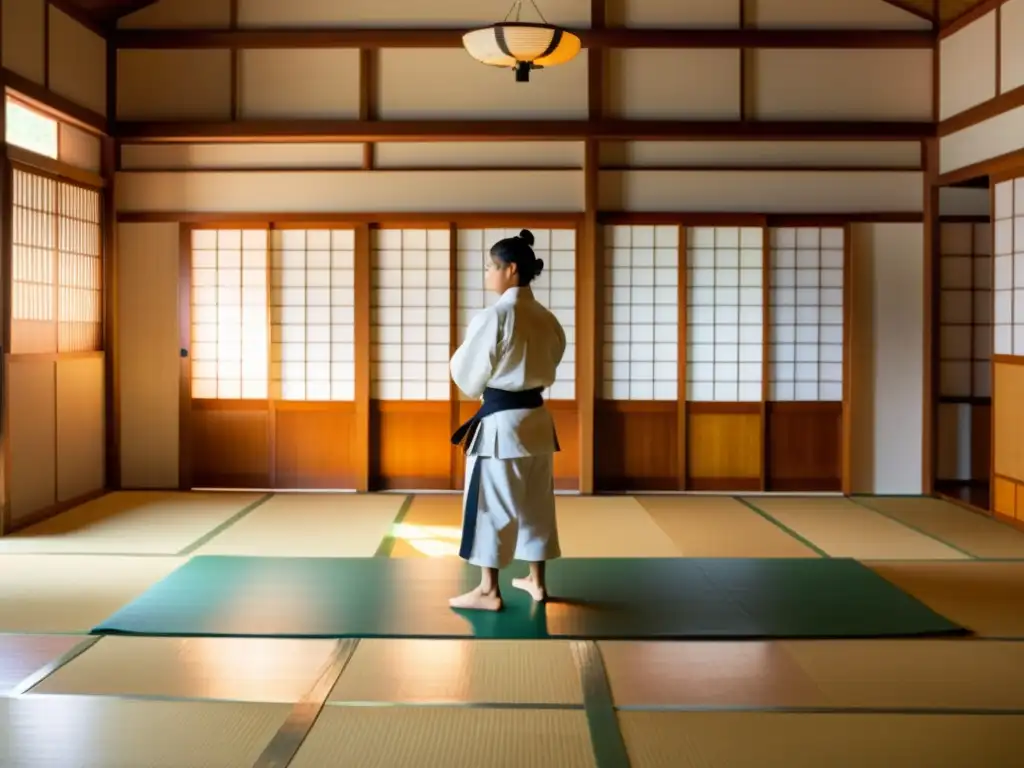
point(522, 46)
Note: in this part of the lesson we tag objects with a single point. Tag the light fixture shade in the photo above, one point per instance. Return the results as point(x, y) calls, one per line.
point(511, 44)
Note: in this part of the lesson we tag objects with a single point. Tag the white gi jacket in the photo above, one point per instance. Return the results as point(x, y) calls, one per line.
point(514, 345)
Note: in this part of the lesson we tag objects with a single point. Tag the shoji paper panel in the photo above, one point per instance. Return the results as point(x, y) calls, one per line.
point(725, 313)
point(638, 87)
point(79, 148)
point(965, 78)
point(1008, 285)
point(965, 318)
point(79, 269)
point(33, 272)
point(641, 313)
point(228, 156)
point(24, 38)
point(312, 309)
point(760, 192)
point(174, 85)
point(555, 288)
point(842, 84)
point(996, 136)
point(314, 83)
point(56, 247)
point(806, 314)
point(700, 14)
point(399, 13)
point(379, 191)
point(796, 154)
point(834, 14)
point(78, 62)
point(1011, 46)
point(32, 130)
point(479, 154)
point(229, 314)
point(426, 84)
point(410, 314)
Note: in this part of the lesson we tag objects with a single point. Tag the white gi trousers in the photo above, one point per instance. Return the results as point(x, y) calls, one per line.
point(516, 510)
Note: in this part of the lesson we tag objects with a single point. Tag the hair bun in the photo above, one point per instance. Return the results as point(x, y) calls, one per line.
point(526, 236)
point(539, 267)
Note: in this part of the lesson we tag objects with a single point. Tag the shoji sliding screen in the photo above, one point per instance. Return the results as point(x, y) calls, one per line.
point(806, 352)
point(965, 332)
point(228, 441)
point(637, 429)
point(272, 358)
point(723, 349)
point(410, 332)
point(724, 356)
point(1007, 491)
point(555, 288)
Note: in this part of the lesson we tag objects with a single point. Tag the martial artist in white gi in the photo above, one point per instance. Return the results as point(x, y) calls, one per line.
point(510, 355)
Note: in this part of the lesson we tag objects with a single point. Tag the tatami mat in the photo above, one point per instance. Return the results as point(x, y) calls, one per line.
point(720, 526)
point(701, 674)
point(970, 531)
point(843, 528)
point(441, 737)
point(914, 674)
point(609, 526)
point(757, 740)
point(986, 597)
point(23, 655)
point(131, 523)
point(457, 671)
point(60, 732)
point(72, 593)
point(310, 525)
point(253, 670)
point(432, 527)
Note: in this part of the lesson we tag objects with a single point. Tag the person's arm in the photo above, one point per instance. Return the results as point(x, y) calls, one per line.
point(473, 363)
point(560, 333)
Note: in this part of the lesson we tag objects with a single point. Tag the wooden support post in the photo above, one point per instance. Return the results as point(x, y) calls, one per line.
point(587, 261)
point(362, 438)
point(929, 415)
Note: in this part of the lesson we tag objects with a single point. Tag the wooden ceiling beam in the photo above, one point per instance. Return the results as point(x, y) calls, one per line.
point(518, 130)
point(973, 12)
point(620, 37)
point(911, 8)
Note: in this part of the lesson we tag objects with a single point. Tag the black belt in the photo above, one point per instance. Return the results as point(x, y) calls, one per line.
point(495, 401)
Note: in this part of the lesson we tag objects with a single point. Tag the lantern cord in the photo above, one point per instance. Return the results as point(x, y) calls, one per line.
point(517, 8)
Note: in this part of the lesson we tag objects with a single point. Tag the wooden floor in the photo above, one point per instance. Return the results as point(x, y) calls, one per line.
point(69, 699)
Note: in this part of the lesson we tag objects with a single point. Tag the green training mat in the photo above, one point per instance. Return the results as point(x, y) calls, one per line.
point(593, 599)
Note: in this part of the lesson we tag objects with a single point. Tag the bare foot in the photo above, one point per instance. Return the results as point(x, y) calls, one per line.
point(528, 585)
point(477, 600)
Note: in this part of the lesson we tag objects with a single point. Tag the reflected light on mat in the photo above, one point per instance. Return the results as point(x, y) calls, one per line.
point(441, 670)
point(430, 540)
point(260, 669)
point(267, 606)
